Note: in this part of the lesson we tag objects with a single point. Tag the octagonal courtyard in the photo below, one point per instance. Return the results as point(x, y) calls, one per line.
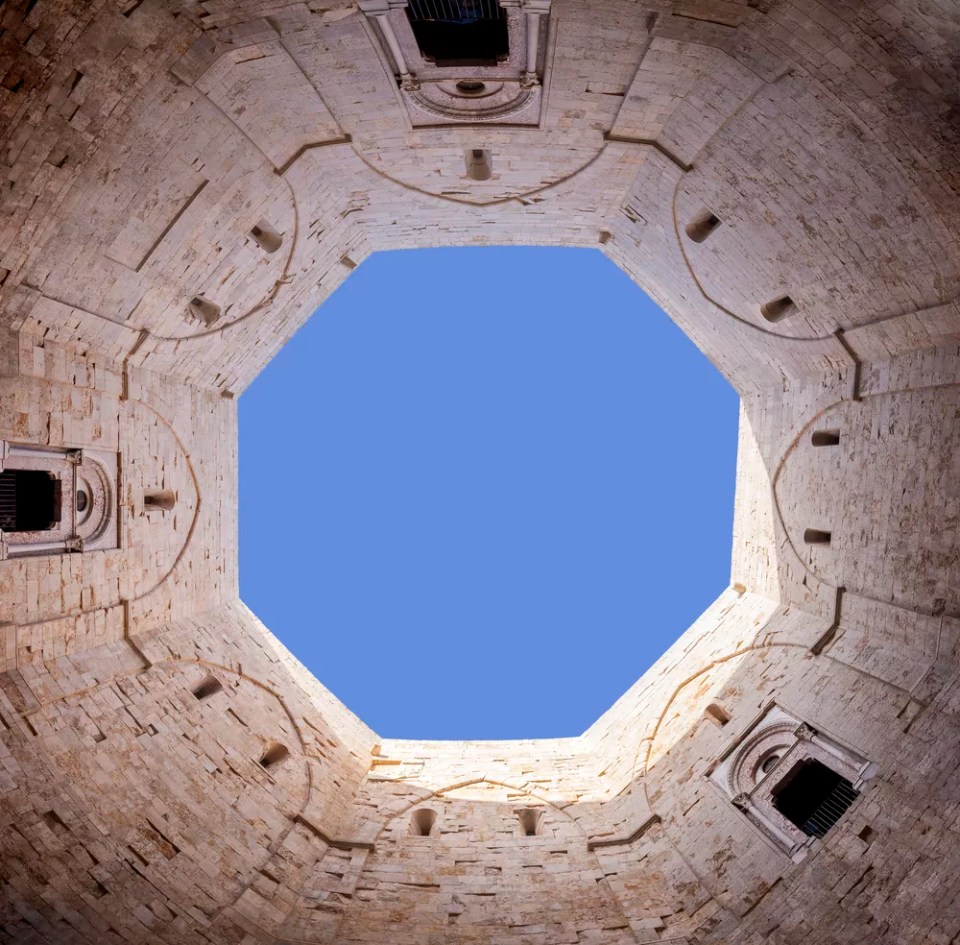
point(498, 471)
point(186, 181)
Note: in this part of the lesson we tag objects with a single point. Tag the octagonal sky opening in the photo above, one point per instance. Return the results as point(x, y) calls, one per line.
point(484, 489)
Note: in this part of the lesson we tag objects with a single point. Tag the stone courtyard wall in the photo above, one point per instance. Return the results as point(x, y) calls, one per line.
point(169, 773)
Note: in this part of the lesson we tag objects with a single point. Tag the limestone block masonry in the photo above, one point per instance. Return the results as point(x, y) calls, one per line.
point(185, 181)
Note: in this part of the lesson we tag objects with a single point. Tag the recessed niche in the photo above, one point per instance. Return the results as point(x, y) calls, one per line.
point(163, 499)
point(203, 310)
point(717, 714)
point(814, 536)
point(769, 762)
point(529, 821)
point(422, 821)
point(479, 164)
point(471, 87)
point(703, 226)
point(825, 438)
point(779, 308)
point(207, 687)
point(274, 756)
point(55, 822)
point(267, 238)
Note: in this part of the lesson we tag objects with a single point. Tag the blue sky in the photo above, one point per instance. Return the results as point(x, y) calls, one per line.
point(483, 489)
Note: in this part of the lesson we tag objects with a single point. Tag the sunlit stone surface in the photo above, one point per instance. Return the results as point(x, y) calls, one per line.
point(185, 182)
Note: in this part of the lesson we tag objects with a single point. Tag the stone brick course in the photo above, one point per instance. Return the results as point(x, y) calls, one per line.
point(169, 773)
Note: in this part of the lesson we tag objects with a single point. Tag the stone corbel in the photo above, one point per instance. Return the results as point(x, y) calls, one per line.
point(741, 801)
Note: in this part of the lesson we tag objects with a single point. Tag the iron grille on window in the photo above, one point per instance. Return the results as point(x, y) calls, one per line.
point(813, 797)
point(460, 32)
point(28, 500)
point(831, 810)
point(8, 502)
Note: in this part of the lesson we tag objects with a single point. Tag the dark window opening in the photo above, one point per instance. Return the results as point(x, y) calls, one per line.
point(813, 797)
point(814, 536)
point(29, 500)
point(460, 32)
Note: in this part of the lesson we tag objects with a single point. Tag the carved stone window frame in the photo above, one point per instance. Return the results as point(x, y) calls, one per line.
point(510, 90)
point(94, 527)
point(750, 771)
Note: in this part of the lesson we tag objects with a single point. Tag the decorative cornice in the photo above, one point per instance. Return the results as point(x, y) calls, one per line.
point(523, 100)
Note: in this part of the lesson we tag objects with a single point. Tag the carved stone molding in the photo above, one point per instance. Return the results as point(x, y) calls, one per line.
point(767, 755)
point(510, 90)
point(83, 512)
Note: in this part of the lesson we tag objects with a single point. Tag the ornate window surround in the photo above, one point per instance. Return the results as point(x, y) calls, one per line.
point(89, 525)
point(750, 770)
point(511, 90)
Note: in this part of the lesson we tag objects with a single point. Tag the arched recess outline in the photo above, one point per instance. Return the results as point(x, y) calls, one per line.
point(184, 545)
point(440, 794)
point(801, 435)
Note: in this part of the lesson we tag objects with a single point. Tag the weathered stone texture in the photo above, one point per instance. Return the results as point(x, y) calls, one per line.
point(169, 773)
